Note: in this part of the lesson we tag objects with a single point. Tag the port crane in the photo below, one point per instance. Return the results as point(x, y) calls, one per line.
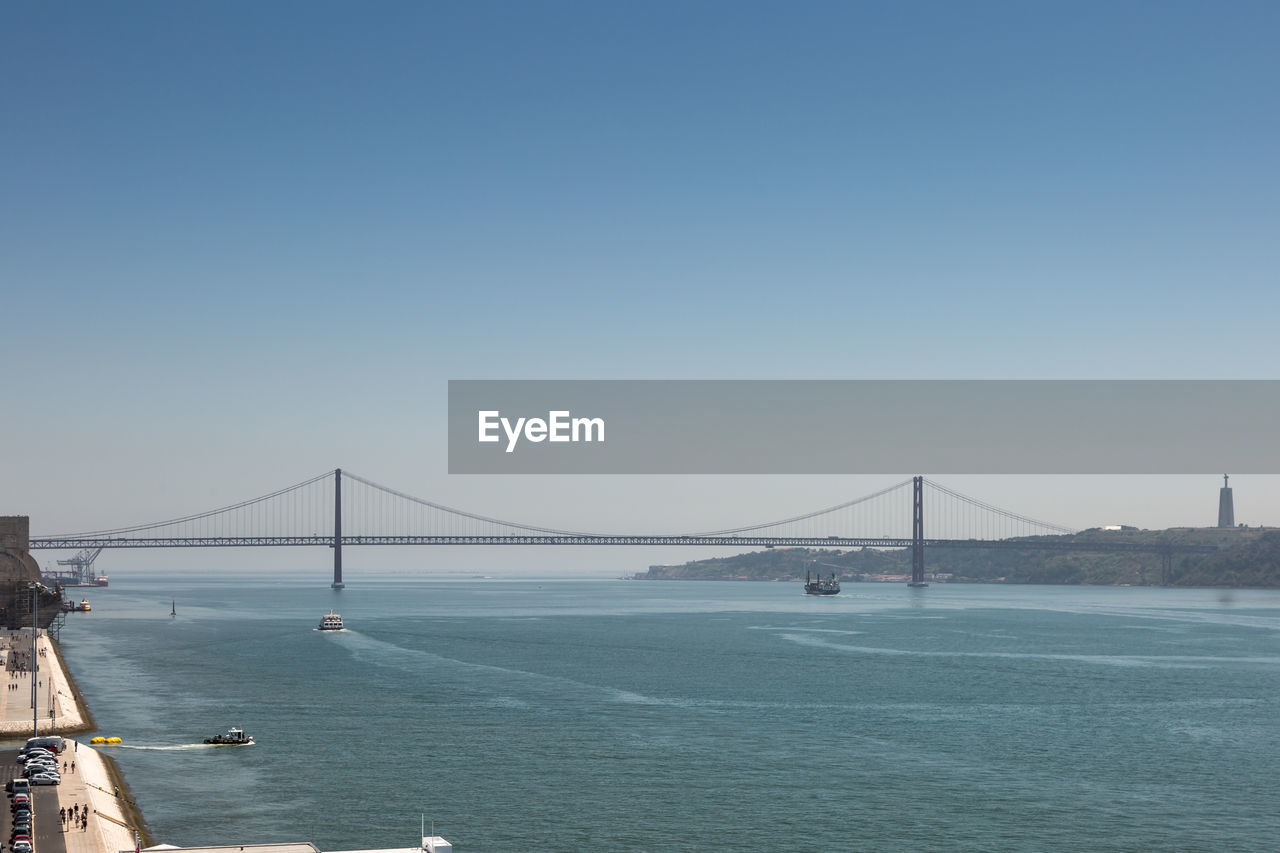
point(82, 571)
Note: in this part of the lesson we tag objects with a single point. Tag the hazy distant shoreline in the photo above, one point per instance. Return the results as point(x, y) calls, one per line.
point(1248, 558)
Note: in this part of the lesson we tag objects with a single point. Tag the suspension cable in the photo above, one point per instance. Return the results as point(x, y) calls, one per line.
point(806, 516)
point(1004, 512)
point(198, 516)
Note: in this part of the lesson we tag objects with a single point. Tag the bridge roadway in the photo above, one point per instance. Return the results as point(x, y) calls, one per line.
point(589, 539)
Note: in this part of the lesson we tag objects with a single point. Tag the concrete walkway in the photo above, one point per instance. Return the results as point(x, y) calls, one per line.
point(89, 786)
point(56, 708)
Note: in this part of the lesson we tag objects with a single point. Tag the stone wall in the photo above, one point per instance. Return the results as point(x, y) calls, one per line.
point(15, 532)
point(15, 562)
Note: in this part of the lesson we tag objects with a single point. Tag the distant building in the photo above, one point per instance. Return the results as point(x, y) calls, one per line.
point(1226, 511)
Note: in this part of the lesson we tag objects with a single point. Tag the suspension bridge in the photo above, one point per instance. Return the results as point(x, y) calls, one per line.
point(338, 508)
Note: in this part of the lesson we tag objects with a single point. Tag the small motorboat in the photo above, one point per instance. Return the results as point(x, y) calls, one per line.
point(233, 737)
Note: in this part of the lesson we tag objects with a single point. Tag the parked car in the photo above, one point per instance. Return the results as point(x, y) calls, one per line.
point(45, 779)
point(24, 757)
point(20, 799)
point(21, 847)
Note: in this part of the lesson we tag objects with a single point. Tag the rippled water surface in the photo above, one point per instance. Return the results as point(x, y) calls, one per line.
point(603, 715)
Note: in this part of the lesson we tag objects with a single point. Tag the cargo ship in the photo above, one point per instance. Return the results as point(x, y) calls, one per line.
point(66, 579)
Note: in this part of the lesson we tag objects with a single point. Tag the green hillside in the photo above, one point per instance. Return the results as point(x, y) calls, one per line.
point(1249, 557)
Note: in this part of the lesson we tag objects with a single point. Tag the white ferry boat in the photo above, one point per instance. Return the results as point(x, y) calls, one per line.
point(331, 622)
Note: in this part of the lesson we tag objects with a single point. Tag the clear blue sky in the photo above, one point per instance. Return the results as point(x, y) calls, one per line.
point(241, 243)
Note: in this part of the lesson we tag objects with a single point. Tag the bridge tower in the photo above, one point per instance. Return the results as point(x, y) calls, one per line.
point(917, 532)
point(337, 528)
point(1226, 512)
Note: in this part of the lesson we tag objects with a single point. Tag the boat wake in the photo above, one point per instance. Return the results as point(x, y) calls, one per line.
point(539, 687)
point(805, 630)
point(178, 747)
point(1167, 661)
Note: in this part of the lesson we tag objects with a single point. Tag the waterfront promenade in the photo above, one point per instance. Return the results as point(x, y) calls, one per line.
point(56, 709)
point(89, 788)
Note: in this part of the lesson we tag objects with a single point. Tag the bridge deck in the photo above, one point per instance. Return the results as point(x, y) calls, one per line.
point(638, 540)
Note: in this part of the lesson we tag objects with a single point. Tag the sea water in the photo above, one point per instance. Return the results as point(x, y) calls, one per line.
point(591, 715)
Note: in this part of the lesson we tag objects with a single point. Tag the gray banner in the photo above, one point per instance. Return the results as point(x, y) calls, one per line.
point(863, 427)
